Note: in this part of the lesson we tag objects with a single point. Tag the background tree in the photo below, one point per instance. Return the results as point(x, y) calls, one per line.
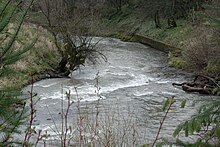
point(169, 9)
point(71, 23)
point(117, 4)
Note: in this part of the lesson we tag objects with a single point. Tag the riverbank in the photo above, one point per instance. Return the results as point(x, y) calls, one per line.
point(134, 78)
point(42, 56)
point(177, 42)
point(196, 36)
point(187, 45)
point(191, 40)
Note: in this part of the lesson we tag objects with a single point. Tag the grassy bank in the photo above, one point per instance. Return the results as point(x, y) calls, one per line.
point(42, 56)
point(15, 76)
point(193, 35)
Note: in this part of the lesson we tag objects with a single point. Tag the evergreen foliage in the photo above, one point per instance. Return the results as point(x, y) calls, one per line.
point(205, 124)
point(12, 108)
point(8, 53)
point(9, 122)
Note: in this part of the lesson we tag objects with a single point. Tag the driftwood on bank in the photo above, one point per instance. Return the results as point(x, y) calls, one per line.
point(201, 84)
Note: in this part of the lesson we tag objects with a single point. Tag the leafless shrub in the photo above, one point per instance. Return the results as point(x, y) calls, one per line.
point(93, 126)
point(203, 56)
point(71, 23)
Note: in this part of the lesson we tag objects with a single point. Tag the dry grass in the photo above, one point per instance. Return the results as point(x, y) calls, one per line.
point(3, 82)
point(202, 54)
point(33, 60)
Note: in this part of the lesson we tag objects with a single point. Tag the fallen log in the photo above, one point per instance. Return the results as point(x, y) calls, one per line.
point(194, 87)
point(201, 84)
point(209, 79)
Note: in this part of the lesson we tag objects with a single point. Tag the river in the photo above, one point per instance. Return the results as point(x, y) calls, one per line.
point(132, 86)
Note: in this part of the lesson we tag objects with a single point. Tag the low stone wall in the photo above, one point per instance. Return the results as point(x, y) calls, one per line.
point(157, 44)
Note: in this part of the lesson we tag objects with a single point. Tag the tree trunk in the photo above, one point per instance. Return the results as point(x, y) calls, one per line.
point(157, 19)
point(171, 22)
point(63, 63)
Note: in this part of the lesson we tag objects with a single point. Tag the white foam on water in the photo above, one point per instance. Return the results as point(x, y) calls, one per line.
point(51, 131)
point(48, 85)
point(88, 92)
point(140, 80)
point(169, 93)
point(143, 93)
point(89, 98)
point(162, 81)
point(81, 94)
point(54, 135)
point(128, 68)
point(56, 95)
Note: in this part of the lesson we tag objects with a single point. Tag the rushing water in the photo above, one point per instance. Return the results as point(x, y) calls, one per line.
point(134, 83)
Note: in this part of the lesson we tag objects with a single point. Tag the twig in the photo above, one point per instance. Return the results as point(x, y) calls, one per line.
point(161, 123)
point(32, 116)
point(97, 106)
point(80, 119)
point(39, 137)
point(66, 119)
